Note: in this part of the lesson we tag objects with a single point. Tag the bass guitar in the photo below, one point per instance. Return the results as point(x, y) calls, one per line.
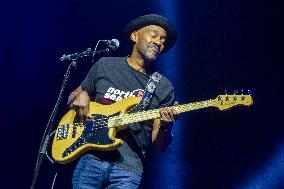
point(73, 138)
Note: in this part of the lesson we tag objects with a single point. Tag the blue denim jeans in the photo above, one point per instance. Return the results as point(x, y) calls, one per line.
point(94, 174)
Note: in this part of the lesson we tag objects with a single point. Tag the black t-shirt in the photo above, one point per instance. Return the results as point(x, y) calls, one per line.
point(112, 79)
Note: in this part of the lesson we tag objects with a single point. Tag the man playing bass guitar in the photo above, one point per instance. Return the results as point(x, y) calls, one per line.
point(112, 79)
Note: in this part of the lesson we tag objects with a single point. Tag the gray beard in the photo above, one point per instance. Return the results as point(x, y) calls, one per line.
point(149, 57)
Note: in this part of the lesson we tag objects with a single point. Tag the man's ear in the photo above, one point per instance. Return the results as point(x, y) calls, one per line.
point(134, 36)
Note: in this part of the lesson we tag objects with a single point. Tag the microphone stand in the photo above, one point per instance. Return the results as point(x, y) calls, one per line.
point(46, 136)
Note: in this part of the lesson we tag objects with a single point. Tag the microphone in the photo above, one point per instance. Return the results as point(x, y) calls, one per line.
point(113, 43)
point(72, 57)
point(69, 57)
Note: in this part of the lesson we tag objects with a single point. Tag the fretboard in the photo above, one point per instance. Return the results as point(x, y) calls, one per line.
point(152, 114)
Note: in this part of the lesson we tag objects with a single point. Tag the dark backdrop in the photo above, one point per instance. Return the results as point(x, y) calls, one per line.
point(222, 45)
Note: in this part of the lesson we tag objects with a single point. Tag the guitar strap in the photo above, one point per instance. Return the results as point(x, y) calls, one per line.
point(149, 90)
point(144, 103)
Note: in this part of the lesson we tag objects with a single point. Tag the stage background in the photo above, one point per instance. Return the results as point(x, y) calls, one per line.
point(222, 45)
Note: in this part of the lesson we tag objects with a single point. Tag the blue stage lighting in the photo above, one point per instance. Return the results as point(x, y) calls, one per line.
point(270, 175)
point(171, 164)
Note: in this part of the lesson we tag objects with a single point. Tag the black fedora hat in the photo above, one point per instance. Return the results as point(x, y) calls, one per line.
point(153, 19)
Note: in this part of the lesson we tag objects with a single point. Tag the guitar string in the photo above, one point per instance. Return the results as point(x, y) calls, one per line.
point(141, 112)
point(97, 122)
point(182, 107)
point(102, 122)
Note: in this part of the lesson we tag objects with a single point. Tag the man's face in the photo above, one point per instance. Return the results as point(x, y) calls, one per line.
point(150, 41)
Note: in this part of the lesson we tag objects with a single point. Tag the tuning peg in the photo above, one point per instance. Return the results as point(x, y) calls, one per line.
point(235, 94)
point(220, 100)
point(225, 92)
point(227, 98)
point(243, 97)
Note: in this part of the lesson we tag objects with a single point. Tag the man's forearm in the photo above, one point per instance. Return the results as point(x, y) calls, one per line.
point(161, 137)
point(73, 95)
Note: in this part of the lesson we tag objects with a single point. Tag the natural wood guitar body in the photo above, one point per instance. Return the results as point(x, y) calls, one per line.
point(103, 134)
point(74, 137)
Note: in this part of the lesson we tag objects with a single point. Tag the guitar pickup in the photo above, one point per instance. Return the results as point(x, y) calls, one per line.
point(74, 131)
point(63, 132)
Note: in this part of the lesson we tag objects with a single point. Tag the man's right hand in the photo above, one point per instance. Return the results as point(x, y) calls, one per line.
point(80, 101)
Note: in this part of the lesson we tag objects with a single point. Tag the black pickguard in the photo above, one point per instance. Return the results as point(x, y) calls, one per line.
point(95, 132)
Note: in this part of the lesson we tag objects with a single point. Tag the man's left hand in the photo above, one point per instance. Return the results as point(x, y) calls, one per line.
point(168, 115)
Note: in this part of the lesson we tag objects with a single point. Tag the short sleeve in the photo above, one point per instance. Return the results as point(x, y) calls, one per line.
point(165, 93)
point(169, 100)
point(90, 80)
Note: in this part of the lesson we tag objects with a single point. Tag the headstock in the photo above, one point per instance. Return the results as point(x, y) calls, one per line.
point(226, 101)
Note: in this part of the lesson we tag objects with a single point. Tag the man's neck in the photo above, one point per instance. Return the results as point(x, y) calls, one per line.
point(137, 62)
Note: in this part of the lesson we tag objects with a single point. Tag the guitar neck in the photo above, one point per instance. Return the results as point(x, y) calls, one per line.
point(153, 114)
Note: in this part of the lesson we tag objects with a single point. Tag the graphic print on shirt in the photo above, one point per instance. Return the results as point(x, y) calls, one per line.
point(114, 95)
